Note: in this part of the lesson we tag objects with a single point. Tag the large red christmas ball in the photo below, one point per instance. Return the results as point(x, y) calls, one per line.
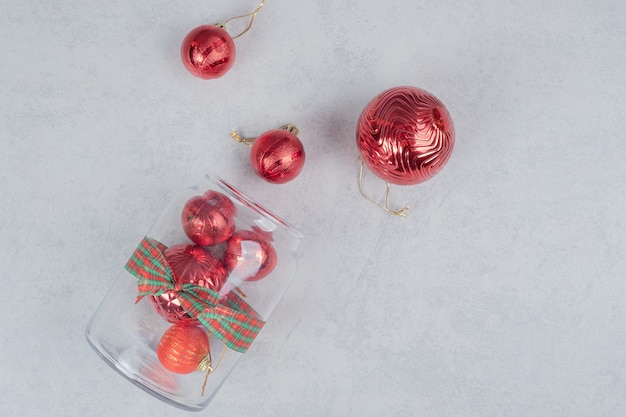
point(249, 255)
point(208, 51)
point(191, 264)
point(277, 156)
point(209, 220)
point(184, 349)
point(405, 135)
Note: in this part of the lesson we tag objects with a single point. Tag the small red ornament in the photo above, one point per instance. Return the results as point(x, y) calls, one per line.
point(405, 135)
point(278, 155)
point(249, 255)
point(191, 264)
point(219, 199)
point(209, 219)
point(184, 349)
point(168, 306)
point(208, 51)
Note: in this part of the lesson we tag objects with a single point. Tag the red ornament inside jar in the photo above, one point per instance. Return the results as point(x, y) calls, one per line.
point(191, 264)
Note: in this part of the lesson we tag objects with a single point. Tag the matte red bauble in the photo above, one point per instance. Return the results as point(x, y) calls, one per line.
point(405, 135)
point(184, 349)
point(208, 51)
point(249, 255)
point(277, 156)
point(209, 221)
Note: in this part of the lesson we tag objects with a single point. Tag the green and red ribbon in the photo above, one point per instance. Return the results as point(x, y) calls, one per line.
point(230, 318)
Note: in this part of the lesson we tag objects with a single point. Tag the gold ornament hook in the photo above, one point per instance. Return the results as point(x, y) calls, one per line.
point(245, 141)
point(253, 14)
point(293, 129)
point(206, 365)
point(400, 213)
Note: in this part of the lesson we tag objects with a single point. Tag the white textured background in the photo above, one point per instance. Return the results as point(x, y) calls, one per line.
point(503, 292)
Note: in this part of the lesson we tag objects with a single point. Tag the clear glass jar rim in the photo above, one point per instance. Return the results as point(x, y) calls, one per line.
point(256, 206)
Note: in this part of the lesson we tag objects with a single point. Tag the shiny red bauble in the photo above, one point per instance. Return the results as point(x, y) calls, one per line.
point(219, 199)
point(168, 306)
point(209, 219)
point(249, 256)
point(184, 349)
point(277, 156)
point(191, 264)
point(208, 51)
point(405, 135)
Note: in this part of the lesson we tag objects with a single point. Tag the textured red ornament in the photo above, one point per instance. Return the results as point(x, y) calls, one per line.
point(208, 51)
point(250, 255)
point(277, 156)
point(168, 306)
point(191, 264)
point(184, 349)
point(220, 200)
point(405, 135)
point(209, 219)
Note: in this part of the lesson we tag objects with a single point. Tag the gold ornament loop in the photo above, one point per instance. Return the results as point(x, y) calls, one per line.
point(293, 129)
point(400, 213)
point(207, 365)
point(245, 141)
point(252, 14)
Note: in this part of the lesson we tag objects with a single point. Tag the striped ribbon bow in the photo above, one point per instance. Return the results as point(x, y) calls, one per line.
point(230, 319)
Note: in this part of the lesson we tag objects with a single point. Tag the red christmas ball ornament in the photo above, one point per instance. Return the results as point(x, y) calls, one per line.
point(209, 220)
point(168, 306)
point(218, 199)
point(191, 264)
point(278, 155)
point(249, 255)
point(208, 51)
point(405, 135)
point(184, 349)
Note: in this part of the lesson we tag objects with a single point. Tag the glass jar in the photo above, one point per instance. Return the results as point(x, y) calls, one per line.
point(126, 330)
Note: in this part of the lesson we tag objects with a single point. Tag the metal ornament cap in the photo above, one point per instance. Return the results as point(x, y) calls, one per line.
point(405, 135)
point(208, 51)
